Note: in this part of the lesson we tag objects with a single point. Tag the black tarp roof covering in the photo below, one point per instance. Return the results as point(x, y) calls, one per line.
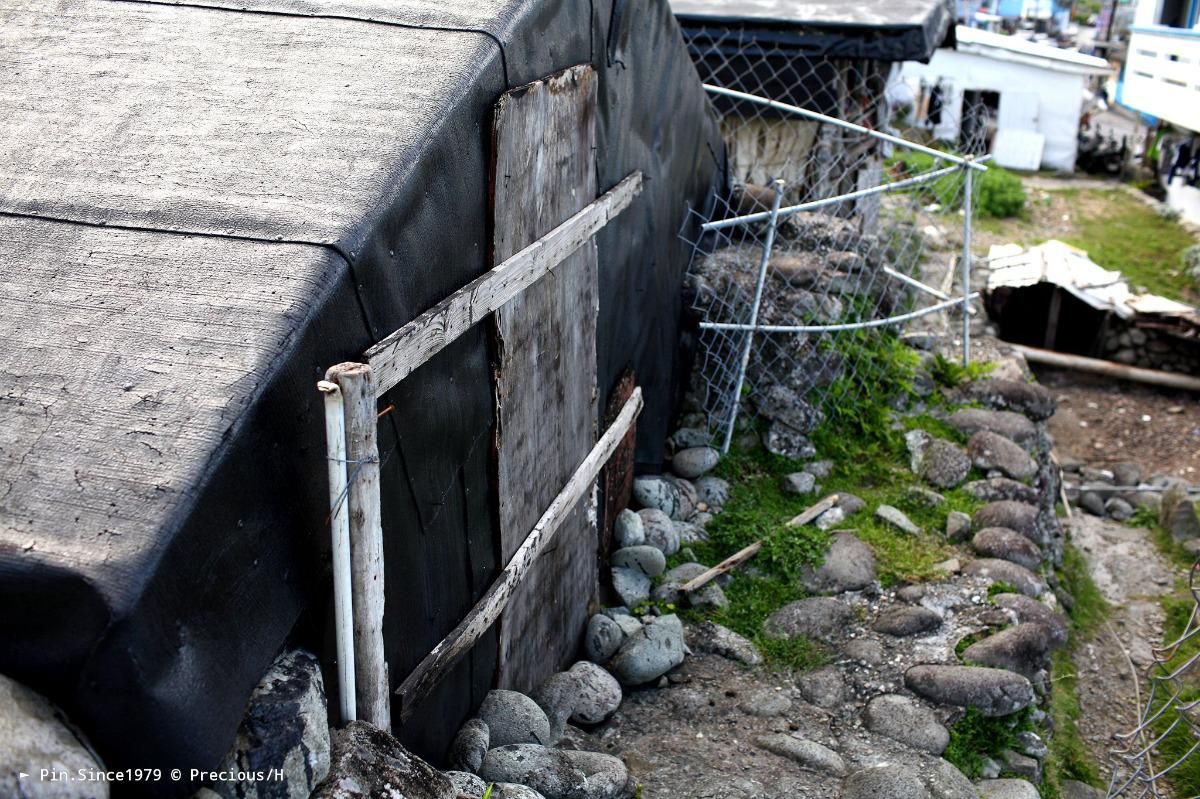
point(880, 30)
point(201, 208)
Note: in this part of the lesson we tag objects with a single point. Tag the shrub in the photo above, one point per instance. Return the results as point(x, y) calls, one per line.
point(999, 192)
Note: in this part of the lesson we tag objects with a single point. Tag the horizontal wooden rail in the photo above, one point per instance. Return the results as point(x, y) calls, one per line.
point(427, 673)
point(398, 355)
point(1108, 368)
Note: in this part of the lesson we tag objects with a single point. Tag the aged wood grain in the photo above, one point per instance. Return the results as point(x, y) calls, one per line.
point(544, 172)
point(443, 657)
point(366, 542)
point(398, 355)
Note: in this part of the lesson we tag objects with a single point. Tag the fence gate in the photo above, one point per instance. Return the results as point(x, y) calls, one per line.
point(544, 172)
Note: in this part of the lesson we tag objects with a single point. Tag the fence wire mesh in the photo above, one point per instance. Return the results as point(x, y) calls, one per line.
point(1167, 734)
point(877, 236)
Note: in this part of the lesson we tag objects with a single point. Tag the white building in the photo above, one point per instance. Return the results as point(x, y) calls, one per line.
point(1162, 76)
point(1035, 89)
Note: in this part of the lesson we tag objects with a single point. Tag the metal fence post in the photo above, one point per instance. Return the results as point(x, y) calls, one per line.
point(339, 528)
point(758, 292)
point(968, 204)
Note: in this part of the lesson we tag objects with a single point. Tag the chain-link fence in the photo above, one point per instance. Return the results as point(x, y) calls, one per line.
point(837, 231)
point(1149, 759)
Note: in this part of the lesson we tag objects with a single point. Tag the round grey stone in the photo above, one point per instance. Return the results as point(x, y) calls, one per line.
point(650, 653)
point(903, 719)
point(1127, 474)
point(991, 451)
point(820, 618)
point(558, 774)
point(711, 637)
point(958, 525)
point(1036, 402)
point(947, 782)
point(511, 790)
point(897, 519)
point(907, 620)
point(35, 735)
point(849, 566)
point(824, 687)
point(1013, 515)
point(468, 784)
point(713, 491)
point(893, 782)
point(798, 483)
point(649, 560)
point(602, 639)
point(628, 530)
point(688, 437)
point(819, 469)
point(850, 504)
point(1031, 610)
point(1006, 544)
point(688, 498)
point(1012, 426)
point(1006, 789)
point(1118, 509)
point(765, 703)
point(994, 692)
point(598, 693)
point(807, 754)
point(1021, 648)
point(514, 718)
point(659, 493)
point(628, 623)
point(660, 530)
point(693, 462)
point(864, 650)
point(994, 489)
point(830, 518)
point(1002, 571)
point(631, 585)
point(556, 696)
point(470, 745)
point(1092, 502)
point(944, 464)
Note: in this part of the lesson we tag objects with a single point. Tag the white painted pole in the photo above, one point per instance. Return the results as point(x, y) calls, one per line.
point(372, 698)
point(339, 528)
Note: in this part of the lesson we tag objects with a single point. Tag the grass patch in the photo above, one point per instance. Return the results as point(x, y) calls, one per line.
point(976, 737)
point(1123, 234)
point(1002, 588)
point(1090, 608)
point(1068, 758)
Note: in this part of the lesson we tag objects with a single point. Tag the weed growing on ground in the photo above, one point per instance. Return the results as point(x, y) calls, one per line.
point(976, 737)
point(1002, 588)
point(951, 373)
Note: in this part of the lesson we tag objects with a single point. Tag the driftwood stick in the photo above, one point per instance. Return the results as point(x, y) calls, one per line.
point(816, 510)
point(443, 657)
point(398, 355)
point(729, 564)
point(366, 542)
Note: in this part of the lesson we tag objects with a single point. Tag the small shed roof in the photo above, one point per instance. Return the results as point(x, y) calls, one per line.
point(1013, 48)
point(904, 30)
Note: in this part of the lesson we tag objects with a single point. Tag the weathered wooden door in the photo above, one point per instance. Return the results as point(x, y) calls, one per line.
point(544, 171)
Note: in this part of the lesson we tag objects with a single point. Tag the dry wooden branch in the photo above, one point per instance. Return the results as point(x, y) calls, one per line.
point(815, 511)
point(1109, 368)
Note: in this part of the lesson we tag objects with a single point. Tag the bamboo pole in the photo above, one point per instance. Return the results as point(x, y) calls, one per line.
point(339, 529)
point(366, 542)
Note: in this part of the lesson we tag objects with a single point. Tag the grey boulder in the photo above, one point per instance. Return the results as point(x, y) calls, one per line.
point(659, 493)
point(897, 519)
point(598, 694)
point(891, 781)
point(650, 653)
point(787, 442)
point(907, 620)
point(848, 566)
point(470, 745)
point(798, 483)
point(806, 754)
point(602, 639)
point(366, 763)
point(1018, 516)
point(1028, 610)
point(35, 735)
point(958, 525)
point(649, 560)
point(824, 687)
point(1006, 544)
point(944, 464)
point(1013, 426)
point(819, 618)
point(994, 489)
point(670, 589)
point(1021, 648)
point(904, 720)
point(1006, 789)
point(990, 451)
point(628, 530)
point(558, 774)
point(693, 462)
point(468, 784)
point(1032, 400)
point(713, 491)
point(1002, 571)
point(659, 530)
point(514, 718)
point(712, 638)
point(994, 692)
point(782, 405)
point(631, 585)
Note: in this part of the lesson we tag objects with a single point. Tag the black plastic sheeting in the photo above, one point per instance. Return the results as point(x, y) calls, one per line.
point(897, 30)
point(202, 208)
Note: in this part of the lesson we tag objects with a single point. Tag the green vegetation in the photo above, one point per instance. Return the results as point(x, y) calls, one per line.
point(1121, 233)
point(1002, 588)
point(975, 737)
point(952, 373)
point(999, 192)
point(1069, 758)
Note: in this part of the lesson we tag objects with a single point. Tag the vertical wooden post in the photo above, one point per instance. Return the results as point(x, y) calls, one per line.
point(339, 529)
point(373, 699)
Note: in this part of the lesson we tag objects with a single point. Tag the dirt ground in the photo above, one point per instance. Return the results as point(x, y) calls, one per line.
point(1101, 423)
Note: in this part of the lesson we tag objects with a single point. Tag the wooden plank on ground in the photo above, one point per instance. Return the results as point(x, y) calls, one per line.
point(544, 172)
point(443, 657)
